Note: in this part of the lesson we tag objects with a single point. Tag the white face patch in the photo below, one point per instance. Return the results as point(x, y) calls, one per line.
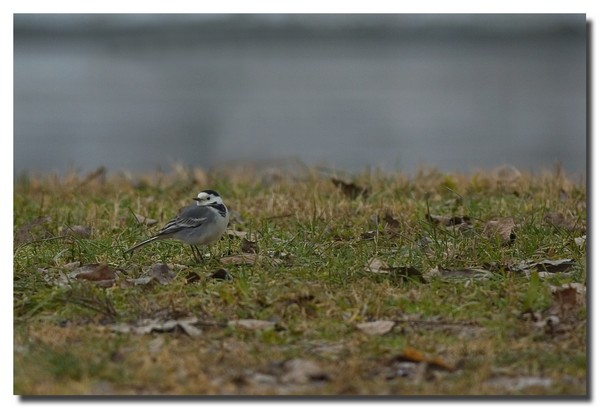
point(204, 199)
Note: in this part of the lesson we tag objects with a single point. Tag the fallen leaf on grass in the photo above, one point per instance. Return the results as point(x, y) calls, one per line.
point(192, 277)
point(555, 266)
point(82, 232)
point(502, 229)
point(544, 268)
point(351, 190)
point(413, 355)
point(414, 365)
point(569, 295)
point(147, 326)
point(376, 265)
point(563, 315)
point(376, 327)
point(565, 297)
point(240, 259)
point(101, 274)
point(162, 273)
point(580, 241)
point(249, 246)
point(449, 221)
point(391, 227)
point(251, 324)
point(221, 274)
point(158, 272)
point(389, 219)
point(560, 221)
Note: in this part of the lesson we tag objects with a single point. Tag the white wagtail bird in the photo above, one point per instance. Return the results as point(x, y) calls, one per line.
point(198, 224)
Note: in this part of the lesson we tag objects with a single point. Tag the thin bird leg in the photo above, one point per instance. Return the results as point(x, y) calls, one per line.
point(197, 254)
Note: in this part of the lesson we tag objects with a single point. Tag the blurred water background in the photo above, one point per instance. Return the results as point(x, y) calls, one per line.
point(457, 92)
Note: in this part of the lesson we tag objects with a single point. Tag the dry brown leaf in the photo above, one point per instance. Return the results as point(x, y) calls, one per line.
point(580, 288)
point(240, 259)
point(192, 277)
point(544, 268)
point(553, 266)
point(502, 229)
point(221, 274)
point(101, 274)
point(82, 232)
point(560, 221)
point(391, 222)
point(565, 297)
point(249, 246)
point(453, 222)
point(390, 227)
point(376, 265)
point(251, 324)
point(55, 277)
point(413, 355)
point(563, 315)
point(143, 280)
point(376, 327)
point(158, 272)
point(351, 190)
point(162, 273)
point(569, 295)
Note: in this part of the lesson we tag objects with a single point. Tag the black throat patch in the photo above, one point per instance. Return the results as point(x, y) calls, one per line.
point(220, 208)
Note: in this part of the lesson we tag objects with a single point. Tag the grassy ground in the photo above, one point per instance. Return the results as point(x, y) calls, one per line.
point(435, 284)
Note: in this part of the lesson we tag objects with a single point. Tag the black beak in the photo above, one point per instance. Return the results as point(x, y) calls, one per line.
point(196, 198)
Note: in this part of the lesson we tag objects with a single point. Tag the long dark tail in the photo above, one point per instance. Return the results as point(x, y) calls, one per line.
point(143, 243)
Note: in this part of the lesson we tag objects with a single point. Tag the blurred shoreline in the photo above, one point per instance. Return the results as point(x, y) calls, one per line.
point(351, 92)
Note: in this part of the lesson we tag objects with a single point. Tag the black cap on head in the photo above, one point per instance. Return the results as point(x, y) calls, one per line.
point(211, 192)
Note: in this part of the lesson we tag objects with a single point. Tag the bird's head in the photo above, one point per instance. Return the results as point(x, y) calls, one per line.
point(208, 197)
